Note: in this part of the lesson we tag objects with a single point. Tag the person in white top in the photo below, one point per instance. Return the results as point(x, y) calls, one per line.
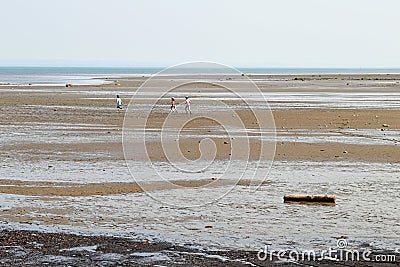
point(119, 103)
point(188, 103)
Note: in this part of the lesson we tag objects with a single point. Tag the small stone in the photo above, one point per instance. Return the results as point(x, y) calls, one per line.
point(208, 226)
point(385, 125)
point(226, 142)
point(345, 152)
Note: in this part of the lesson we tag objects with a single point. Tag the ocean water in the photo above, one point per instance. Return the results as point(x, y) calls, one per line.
point(86, 75)
point(63, 75)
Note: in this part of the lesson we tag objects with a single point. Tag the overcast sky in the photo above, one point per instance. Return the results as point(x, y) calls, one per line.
point(253, 33)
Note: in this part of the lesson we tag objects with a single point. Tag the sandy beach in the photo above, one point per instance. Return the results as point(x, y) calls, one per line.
point(93, 110)
point(63, 165)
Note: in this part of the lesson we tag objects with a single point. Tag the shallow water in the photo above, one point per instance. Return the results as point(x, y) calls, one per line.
point(286, 94)
point(69, 133)
point(366, 210)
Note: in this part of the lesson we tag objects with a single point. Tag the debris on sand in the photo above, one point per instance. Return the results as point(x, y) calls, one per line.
point(316, 199)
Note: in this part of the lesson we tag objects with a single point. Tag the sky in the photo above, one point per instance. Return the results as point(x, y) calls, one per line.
point(253, 33)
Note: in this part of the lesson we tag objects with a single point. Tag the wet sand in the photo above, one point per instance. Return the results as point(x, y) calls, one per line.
point(81, 124)
point(28, 109)
point(101, 189)
point(94, 107)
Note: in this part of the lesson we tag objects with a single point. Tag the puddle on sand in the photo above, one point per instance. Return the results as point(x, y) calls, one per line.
point(57, 133)
point(344, 136)
point(117, 171)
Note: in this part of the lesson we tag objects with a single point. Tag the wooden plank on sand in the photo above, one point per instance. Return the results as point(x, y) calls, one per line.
point(322, 199)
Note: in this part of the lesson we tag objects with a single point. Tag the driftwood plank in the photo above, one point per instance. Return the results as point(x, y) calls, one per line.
point(322, 199)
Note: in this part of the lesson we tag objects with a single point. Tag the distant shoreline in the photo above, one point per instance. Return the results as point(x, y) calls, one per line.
point(59, 76)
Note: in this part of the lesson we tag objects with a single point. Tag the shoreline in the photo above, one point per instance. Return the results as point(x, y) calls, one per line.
point(295, 76)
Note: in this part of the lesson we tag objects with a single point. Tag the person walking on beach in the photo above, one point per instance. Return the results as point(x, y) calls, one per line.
point(119, 103)
point(187, 107)
point(173, 106)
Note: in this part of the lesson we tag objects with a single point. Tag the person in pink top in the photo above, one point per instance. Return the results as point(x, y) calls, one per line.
point(188, 103)
point(173, 106)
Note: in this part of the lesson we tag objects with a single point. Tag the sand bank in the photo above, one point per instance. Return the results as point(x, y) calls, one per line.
point(73, 189)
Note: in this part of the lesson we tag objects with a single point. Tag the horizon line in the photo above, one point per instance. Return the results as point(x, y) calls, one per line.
point(111, 66)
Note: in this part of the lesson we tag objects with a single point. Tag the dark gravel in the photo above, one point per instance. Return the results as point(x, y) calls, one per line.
point(31, 248)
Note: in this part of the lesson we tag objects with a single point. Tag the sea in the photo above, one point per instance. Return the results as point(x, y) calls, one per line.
point(54, 76)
